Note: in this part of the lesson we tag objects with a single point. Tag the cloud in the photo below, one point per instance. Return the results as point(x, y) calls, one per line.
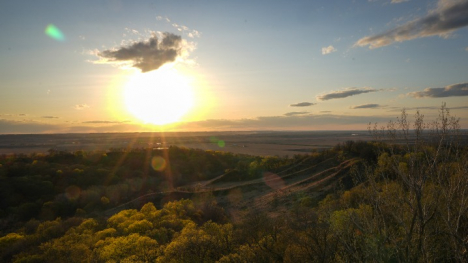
point(398, 1)
point(147, 55)
point(466, 49)
point(159, 18)
point(190, 33)
point(35, 127)
point(302, 104)
point(49, 117)
point(9, 127)
point(448, 17)
point(294, 113)
point(81, 106)
point(399, 109)
point(455, 90)
point(365, 106)
point(345, 93)
point(328, 50)
point(457, 108)
point(294, 122)
point(101, 122)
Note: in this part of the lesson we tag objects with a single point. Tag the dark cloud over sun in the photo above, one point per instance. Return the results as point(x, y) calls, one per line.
point(149, 54)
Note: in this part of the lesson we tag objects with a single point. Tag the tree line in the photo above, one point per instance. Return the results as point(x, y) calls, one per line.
point(408, 202)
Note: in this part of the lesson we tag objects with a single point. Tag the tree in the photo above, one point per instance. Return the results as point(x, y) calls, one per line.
point(200, 244)
point(419, 188)
point(132, 248)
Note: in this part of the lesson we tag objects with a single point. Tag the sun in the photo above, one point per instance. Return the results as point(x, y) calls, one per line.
point(158, 97)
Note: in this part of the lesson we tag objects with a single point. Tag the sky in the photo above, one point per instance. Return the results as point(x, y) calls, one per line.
point(136, 66)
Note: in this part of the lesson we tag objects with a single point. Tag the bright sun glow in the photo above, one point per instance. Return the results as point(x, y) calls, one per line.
point(158, 97)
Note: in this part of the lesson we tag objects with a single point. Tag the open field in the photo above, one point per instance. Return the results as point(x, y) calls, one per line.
point(253, 143)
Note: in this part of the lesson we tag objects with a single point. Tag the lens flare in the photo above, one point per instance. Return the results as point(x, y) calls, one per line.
point(273, 180)
point(235, 196)
point(217, 141)
point(72, 192)
point(158, 163)
point(54, 33)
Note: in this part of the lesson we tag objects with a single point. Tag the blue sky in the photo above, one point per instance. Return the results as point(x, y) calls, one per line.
point(250, 65)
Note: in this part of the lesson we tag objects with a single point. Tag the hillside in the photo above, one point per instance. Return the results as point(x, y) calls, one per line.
point(386, 201)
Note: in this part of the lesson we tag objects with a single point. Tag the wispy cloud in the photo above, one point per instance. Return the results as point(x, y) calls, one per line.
point(448, 17)
point(323, 121)
point(457, 108)
point(102, 122)
point(81, 106)
point(49, 117)
point(398, 1)
point(399, 109)
point(146, 55)
point(328, 50)
point(455, 90)
point(190, 32)
point(132, 31)
point(295, 113)
point(345, 93)
point(294, 122)
point(302, 104)
point(9, 126)
point(165, 18)
point(365, 106)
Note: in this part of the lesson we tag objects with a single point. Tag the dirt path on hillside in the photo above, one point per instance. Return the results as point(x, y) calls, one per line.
point(258, 194)
point(274, 200)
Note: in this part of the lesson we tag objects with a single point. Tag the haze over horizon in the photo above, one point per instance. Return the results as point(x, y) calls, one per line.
point(121, 66)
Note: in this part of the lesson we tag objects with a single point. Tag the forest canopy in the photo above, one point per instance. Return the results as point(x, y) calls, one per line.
point(402, 197)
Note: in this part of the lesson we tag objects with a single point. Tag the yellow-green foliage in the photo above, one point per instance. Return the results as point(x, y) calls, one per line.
point(133, 247)
point(72, 247)
point(147, 235)
point(6, 242)
point(411, 206)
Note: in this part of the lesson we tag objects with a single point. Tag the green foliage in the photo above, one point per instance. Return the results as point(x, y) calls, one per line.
point(409, 204)
point(61, 183)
